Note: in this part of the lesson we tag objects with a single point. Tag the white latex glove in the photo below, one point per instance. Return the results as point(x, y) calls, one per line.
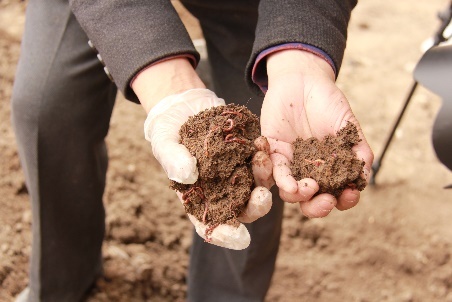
point(235, 238)
point(161, 129)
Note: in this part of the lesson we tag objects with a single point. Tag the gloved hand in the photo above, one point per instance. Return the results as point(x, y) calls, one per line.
point(162, 126)
point(161, 129)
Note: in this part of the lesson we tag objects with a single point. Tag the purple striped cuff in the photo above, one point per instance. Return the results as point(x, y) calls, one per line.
point(259, 72)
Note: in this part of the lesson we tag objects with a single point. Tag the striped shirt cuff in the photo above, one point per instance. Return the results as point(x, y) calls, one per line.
point(259, 72)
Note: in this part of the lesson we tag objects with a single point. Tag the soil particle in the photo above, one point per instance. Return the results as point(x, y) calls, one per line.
point(330, 161)
point(222, 140)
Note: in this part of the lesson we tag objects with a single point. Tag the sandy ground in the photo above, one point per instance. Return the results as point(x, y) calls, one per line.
point(394, 246)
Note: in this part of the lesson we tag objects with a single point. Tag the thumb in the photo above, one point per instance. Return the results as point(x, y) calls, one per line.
point(161, 129)
point(177, 162)
point(175, 158)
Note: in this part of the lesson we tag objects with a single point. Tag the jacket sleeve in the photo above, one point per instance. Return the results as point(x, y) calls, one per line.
point(132, 34)
point(320, 23)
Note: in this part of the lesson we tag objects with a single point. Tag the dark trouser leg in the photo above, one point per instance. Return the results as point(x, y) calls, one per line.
point(218, 274)
point(62, 102)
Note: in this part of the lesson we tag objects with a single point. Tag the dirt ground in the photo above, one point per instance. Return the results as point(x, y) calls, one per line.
point(396, 245)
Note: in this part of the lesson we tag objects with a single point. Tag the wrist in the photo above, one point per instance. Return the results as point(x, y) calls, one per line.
point(165, 78)
point(294, 62)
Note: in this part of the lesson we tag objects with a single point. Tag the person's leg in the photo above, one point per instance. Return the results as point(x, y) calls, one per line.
point(61, 107)
point(219, 274)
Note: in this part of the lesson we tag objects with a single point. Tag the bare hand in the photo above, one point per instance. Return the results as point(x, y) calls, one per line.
point(303, 101)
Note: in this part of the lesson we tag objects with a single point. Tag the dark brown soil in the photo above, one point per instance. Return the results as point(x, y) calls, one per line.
point(331, 161)
point(222, 140)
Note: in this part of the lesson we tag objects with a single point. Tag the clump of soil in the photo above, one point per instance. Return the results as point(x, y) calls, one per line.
point(331, 161)
point(222, 140)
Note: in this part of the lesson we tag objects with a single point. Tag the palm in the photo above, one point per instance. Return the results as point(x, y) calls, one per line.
point(308, 106)
point(314, 109)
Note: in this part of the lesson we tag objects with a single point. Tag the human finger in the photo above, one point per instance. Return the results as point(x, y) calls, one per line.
point(307, 187)
point(228, 236)
point(262, 168)
point(281, 147)
point(282, 174)
point(364, 153)
point(319, 206)
point(258, 206)
point(262, 144)
point(177, 162)
point(362, 150)
point(348, 199)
